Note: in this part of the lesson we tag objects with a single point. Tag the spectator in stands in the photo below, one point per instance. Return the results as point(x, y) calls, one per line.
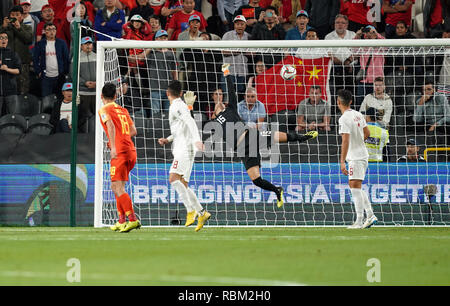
point(436, 14)
point(169, 8)
point(444, 76)
point(9, 69)
point(402, 31)
point(301, 22)
point(193, 31)
point(269, 29)
point(313, 113)
point(157, 6)
point(287, 12)
point(20, 38)
point(136, 29)
point(90, 11)
point(378, 139)
point(252, 13)
point(155, 23)
point(217, 98)
point(36, 7)
point(61, 117)
point(402, 71)
point(251, 110)
point(356, 12)
point(142, 9)
point(341, 31)
point(51, 61)
point(341, 75)
point(371, 65)
point(396, 11)
point(87, 80)
point(82, 12)
point(322, 14)
point(260, 68)
point(162, 68)
point(380, 101)
point(238, 60)
point(227, 9)
point(412, 152)
point(312, 34)
point(62, 21)
point(432, 113)
point(29, 19)
point(180, 20)
point(109, 21)
point(48, 16)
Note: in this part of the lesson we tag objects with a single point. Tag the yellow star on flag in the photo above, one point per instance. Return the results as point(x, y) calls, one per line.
point(314, 73)
point(299, 84)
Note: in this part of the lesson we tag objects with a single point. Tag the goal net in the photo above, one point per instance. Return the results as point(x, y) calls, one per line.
point(296, 82)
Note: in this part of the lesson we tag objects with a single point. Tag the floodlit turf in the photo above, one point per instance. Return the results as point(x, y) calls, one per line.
point(225, 256)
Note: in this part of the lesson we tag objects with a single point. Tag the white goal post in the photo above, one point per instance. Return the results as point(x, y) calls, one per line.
point(316, 193)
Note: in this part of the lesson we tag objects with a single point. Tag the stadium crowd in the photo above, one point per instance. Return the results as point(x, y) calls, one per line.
point(36, 51)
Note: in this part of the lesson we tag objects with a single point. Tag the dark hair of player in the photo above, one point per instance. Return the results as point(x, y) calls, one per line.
point(174, 88)
point(109, 91)
point(345, 96)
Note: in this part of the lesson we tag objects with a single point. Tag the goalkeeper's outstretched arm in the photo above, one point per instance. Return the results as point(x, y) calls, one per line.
point(232, 97)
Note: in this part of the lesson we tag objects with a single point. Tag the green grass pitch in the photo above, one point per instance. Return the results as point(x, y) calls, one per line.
point(225, 256)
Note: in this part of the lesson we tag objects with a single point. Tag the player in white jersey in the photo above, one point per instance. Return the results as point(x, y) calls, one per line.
point(186, 141)
point(354, 130)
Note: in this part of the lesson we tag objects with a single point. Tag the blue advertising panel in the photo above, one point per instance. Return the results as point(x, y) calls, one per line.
point(303, 183)
point(28, 190)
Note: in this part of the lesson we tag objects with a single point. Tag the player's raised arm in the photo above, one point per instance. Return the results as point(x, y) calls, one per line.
point(232, 97)
point(186, 117)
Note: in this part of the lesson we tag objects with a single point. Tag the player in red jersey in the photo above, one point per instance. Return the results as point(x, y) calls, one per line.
point(119, 128)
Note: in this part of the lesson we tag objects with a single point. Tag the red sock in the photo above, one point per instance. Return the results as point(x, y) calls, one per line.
point(120, 211)
point(127, 206)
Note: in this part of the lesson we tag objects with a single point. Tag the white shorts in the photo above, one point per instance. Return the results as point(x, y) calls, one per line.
point(182, 165)
point(357, 169)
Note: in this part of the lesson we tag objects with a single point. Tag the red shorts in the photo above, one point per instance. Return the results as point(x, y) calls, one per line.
point(122, 166)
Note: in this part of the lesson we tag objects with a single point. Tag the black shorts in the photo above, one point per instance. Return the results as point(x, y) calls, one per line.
point(248, 150)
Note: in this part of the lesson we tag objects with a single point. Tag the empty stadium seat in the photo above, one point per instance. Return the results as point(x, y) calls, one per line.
point(26, 105)
point(40, 124)
point(13, 124)
point(48, 103)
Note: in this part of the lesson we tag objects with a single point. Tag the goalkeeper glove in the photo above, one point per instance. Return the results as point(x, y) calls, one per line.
point(226, 69)
point(189, 98)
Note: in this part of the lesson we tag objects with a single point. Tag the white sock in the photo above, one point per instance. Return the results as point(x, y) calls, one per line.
point(367, 205)
point(183, 194)
point(358, 199)
point(193, 201)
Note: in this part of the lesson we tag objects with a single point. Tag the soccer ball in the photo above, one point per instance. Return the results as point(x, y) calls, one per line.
point(288, 72)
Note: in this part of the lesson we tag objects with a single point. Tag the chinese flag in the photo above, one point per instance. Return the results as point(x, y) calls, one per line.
point(278, 94)
point(248, 13)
